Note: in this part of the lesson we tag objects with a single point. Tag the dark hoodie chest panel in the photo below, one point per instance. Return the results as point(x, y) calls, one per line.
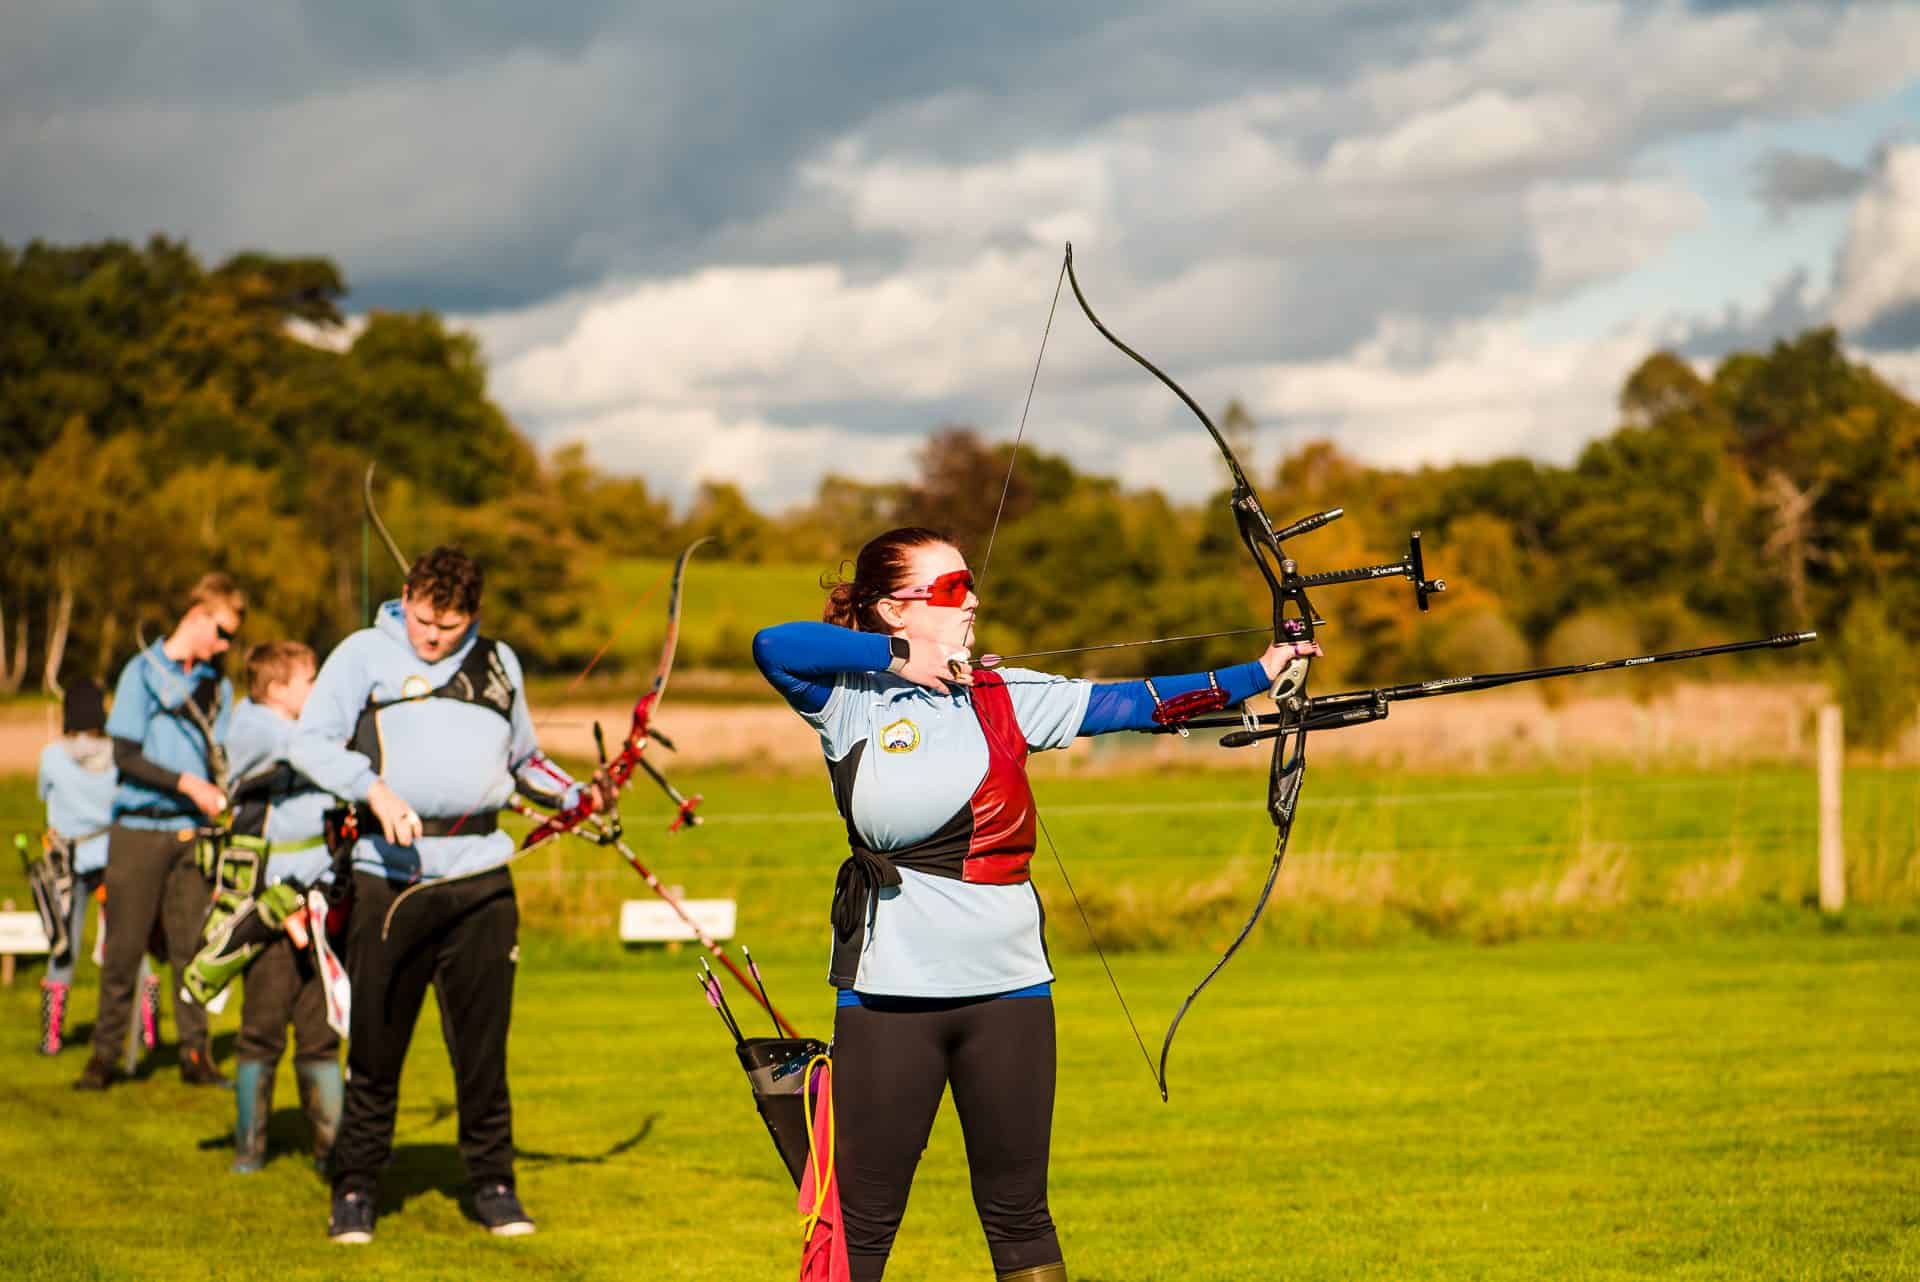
point(482, 680)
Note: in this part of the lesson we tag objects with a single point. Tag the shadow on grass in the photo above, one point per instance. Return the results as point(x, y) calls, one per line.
point(420, 1168)
point(79, 1036)
point(438, 1168)
point(534, 1157)
point(289, 1135)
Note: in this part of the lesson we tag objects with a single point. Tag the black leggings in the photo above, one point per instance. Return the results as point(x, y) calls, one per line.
point(891, 1063)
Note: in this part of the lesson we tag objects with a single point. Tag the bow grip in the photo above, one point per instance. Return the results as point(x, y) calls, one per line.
point(1291, 682)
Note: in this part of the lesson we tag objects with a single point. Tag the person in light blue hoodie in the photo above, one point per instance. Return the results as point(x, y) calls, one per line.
point(423, 724)
point(77, 781)
point(279, 814)
point(170, 710)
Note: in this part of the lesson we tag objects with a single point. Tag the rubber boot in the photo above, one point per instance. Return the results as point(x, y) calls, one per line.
point(1055, 1272)
point(322, 1088)
point(253, 1100)
point(53, 1016)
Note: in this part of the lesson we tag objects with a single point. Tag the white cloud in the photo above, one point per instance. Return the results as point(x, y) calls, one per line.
point(1488, 131)
point(1480, 390)
point(751, 336)
point(1902, 369)
point(776, 465)
point(1584, 232)
point(1879, 269)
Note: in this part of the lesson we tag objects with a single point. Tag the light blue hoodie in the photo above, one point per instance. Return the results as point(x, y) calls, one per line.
point(77, 781)
point(258, 739)
point(445, 757)
point(149, 708)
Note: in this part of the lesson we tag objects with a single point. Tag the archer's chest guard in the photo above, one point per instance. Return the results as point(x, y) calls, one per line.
point(482, 680)
point(988, 841)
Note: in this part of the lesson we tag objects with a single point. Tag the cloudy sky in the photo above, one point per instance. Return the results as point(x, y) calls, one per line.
point(767, 241)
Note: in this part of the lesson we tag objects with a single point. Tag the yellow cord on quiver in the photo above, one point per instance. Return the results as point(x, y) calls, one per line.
point(822, 1174)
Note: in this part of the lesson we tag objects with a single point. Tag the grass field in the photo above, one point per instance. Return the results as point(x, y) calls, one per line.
point(1657, 1074)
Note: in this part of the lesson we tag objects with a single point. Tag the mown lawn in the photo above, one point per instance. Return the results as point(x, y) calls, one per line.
point(1630, 1086)
point(1729, 1107)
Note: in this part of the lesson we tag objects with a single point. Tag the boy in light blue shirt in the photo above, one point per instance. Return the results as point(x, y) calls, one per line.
point(279, 814)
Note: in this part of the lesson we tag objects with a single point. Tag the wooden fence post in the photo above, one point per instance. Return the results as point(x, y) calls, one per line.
point(6, 961)
point(1833, 853)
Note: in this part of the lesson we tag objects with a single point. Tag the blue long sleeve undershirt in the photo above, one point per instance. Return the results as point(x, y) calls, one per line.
point(800, 660)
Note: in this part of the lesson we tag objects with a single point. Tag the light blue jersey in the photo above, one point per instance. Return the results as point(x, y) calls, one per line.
point(909, 761)
point(149, 709)
point(927, 801)
point(78, 781)
point(260, 738)
point(447, 758)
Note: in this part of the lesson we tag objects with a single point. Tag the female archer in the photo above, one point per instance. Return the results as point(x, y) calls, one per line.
point(937, 946)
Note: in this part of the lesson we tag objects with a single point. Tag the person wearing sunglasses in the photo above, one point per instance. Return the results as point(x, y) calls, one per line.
point(170, 710)
point(937, 942)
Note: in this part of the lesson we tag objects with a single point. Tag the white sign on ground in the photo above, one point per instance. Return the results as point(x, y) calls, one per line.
point(647, 921)
point(22, 935)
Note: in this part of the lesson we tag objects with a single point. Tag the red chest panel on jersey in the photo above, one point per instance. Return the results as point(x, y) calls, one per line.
point(1004, 821)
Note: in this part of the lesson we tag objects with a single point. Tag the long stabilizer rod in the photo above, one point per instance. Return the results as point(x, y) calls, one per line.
point(1357, 707)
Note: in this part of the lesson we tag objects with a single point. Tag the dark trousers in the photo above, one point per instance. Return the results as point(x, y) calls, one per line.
point(891, 1064)
point(462, 939)
point(151, 876)
point(282, 987)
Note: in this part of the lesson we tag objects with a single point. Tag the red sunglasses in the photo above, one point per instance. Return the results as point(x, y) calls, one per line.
point(950, 589)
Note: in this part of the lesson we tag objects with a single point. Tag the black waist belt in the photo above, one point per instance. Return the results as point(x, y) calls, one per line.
point(477, 824)
point(861, 876)
point(854, 890)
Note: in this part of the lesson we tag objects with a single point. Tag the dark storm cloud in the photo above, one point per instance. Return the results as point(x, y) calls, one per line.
point(656, 137)
point(1785, 180)
point(1784, 314)
point(1896, 330)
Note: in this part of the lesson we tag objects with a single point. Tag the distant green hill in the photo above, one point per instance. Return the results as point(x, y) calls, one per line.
point(726, 602)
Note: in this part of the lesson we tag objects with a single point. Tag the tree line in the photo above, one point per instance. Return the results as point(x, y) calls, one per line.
point(162, 417)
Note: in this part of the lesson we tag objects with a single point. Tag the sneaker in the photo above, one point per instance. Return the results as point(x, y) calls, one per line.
point(198, 1069)
point(498, 1209)
point(351, 1223)
point(96, 1076)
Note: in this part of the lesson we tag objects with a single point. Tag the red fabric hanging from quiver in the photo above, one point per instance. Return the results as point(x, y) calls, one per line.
point(823, 1251)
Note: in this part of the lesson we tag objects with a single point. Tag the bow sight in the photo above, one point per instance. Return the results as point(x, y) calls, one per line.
point(1411, 567)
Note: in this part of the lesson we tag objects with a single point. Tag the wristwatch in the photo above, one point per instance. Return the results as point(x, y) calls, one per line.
point(901, 651)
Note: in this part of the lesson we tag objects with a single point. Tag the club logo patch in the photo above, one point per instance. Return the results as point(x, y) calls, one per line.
point(415, 687)
point(901, 736)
